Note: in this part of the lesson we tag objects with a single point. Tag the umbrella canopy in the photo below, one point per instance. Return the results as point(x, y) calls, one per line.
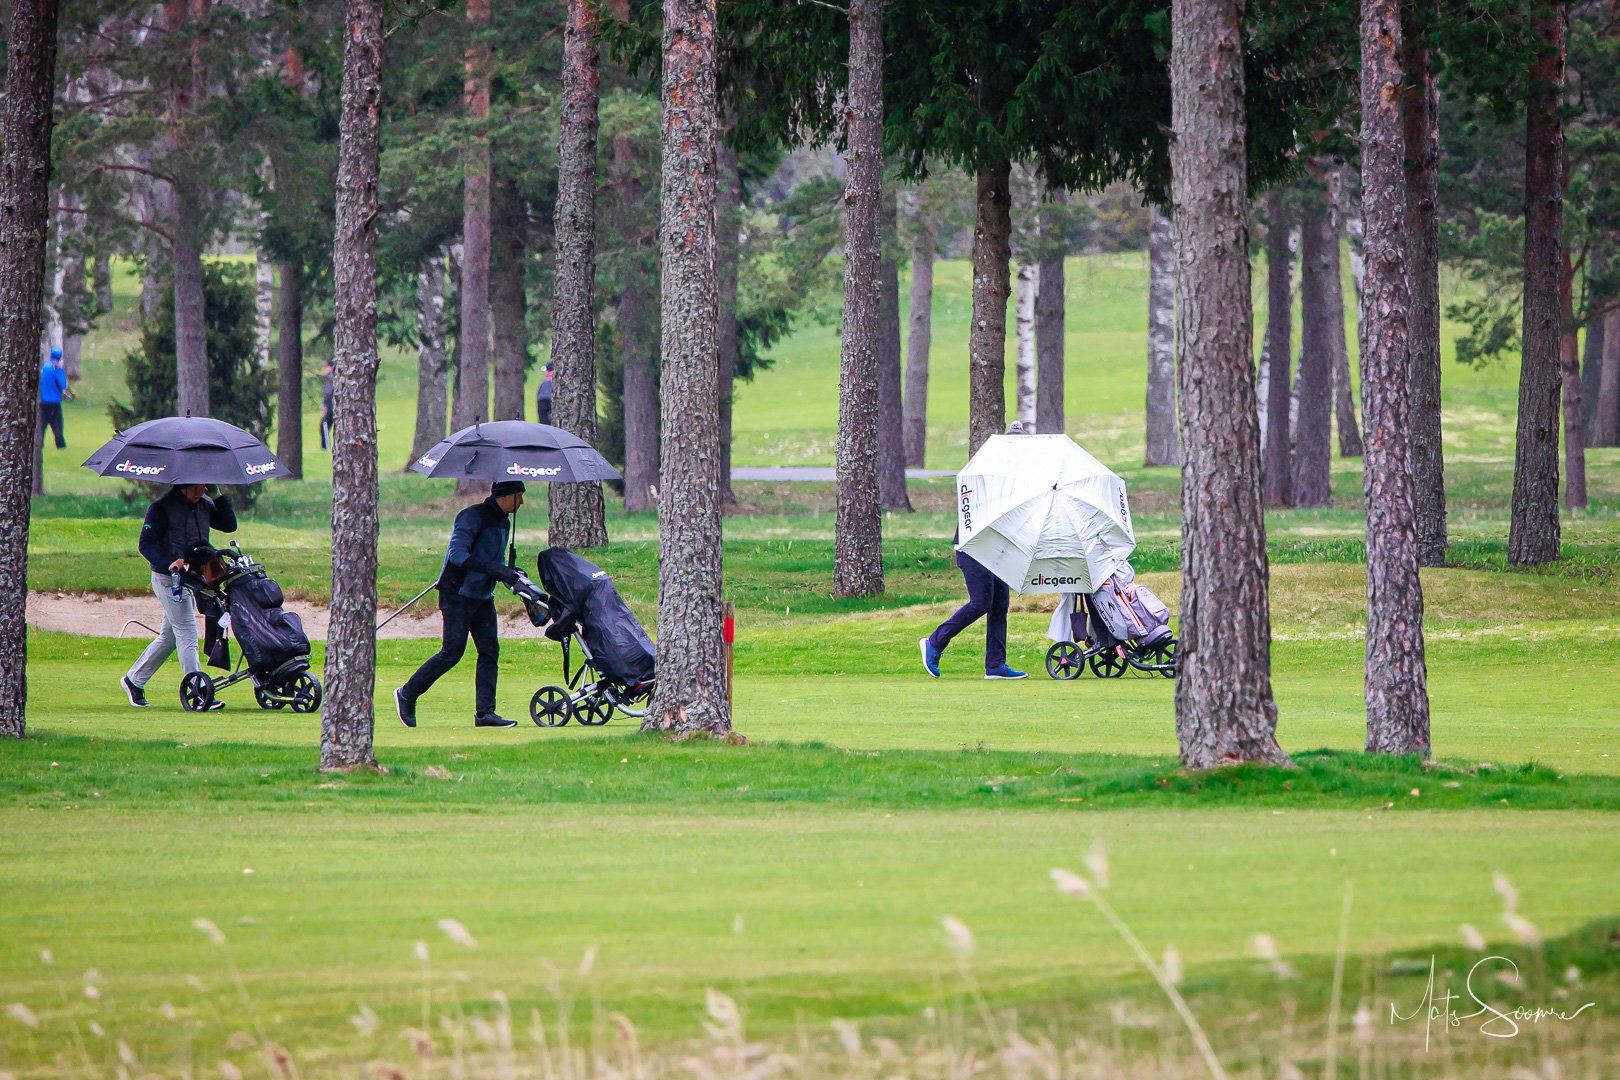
point(186, 450)
point(1042, 514)
point(515, 450)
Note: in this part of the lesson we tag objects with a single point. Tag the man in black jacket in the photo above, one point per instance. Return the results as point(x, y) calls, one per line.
point(175, 523)
point(473, 563)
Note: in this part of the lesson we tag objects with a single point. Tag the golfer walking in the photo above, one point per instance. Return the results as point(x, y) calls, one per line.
point(53, 386)
point(474, 562)
point(175, 524)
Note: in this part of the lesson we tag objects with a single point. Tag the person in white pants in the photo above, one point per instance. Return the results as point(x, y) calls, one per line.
point(174, 525)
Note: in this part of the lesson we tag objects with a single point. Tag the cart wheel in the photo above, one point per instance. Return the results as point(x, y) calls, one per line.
point(1063, 661)
point(196, 692)
point(1167, 657)
point(551, 706)
point(594, 711)
point(266, 701)
point(305, 689)
point(1108, 665)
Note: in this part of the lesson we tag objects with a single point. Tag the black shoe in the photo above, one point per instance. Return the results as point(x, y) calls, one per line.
point(405, 707)
point(137, 696)
point(493, 720)
point(215, 704)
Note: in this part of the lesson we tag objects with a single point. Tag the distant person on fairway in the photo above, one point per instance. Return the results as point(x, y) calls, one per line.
point(53, 387)
point(988, 597)
point(474, 562)
point(326, 408)
point(175, 524)
point(542, 396)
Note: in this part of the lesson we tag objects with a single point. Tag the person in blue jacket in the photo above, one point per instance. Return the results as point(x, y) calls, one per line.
point(473, 563)
point(53, 386)
point(175, 524)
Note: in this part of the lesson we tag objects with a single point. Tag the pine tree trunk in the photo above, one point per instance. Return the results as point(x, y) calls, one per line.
point(1050, 319)
point(290, 370)
point(507, 303)
point(1534, 533)
point(1570, 362)
point(640, 401)
point(1592, 355)
point(1396, 677)
point(1029, 284)
point(858, 528)
point(1420, 105)
point(73, 303)
point(728, 224)
point(1224, 708)
point(472, 387)
point(101, 277)
point(577, 512)
point(1163, 442)
point(1608, 397)
point(891, 439)
point(987, 337)
point(151, 201)
point(25, 214)
point(691, 693)
point(351, 647)
point(432, 368)
point(1318, 255)
point(264, 307)
point(1344, 394)
point(1276, 354)
point(919, 339)
point(190, 329)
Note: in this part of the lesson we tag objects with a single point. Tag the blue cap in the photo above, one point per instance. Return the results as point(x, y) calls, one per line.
point(56, 354)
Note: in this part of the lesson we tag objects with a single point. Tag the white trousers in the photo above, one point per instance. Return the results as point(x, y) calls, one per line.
point(179, 631)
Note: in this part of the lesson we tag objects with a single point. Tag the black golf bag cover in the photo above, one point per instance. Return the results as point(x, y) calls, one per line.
point(268, 636)
point(583, 597)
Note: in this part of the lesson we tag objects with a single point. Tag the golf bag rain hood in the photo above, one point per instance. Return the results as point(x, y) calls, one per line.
point(583, 597)
point(268, 636)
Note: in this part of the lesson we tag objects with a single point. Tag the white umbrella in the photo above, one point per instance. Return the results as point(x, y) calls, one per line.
point(1042, 514)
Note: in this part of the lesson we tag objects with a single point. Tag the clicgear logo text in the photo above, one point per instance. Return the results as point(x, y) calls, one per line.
point(1042, 579)
point(260, 469)
point(515, 469)
point(139, 470)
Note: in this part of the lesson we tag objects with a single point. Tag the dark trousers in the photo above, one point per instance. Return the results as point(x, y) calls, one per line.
point(50, 416)
point(463, 617)
point(326, 431)
point(988, 597)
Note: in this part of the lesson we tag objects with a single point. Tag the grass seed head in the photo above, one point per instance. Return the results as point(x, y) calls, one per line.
point(364, 1021)
point(46, 957)
point(1522, 928)
point(1172, 965)
point(1096, 861)
point(1505, 889)
point(421, 951)
point(849, 1036)
point(587, 961)
point(1071, 884)
point(421, 1043)
point(958, 936)
point(229, 1071)
point(282, 1061)
point(207, 927)
point(1473, 938)
point(458, 933)
point(126, 1053)
point(22, 1014)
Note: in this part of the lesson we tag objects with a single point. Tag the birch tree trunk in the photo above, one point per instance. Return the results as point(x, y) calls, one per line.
point(728, 222)
point(25, 168)
point(264, 305)
point(290, 370)
point(1396, 676)
point(1310, 484)
point(691, 693)
point(1224, 709)
point(1276, 354)
point(1344, 395)
point(1534, 533)
point(1592, 357)
point(987, 337)
point(509, 330)
point(472, 387)
point(1420, 105)
point(432, 368)
point(1607, 411)
point(919, 339)
point(577, 512)
point(858, 528)
point(1029, 283)
point(73, 303)
point(1050, 318)
point(1163, 443)
point(351, 648)
point(101, 279)
point(891, 438)
point(1569, 356)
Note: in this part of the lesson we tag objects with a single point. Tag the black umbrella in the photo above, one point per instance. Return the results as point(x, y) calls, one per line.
point(186, 450)
point(515, 450)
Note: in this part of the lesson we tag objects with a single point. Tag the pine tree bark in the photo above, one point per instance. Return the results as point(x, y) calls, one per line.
point(1592, 353)
point(25, 168)
point(1050, 320)
point(1420, 111)
point(858, 527)
point(891, 439)
point(472, 386)
point(73, 303)
point(264, 302)
point(1318, 255)
point(290, 369)
point(1224, 709)
point(1346, 419)
point(190, 328)
point(728, 221)
point(1163, 442)
point(919, 340)
point(351, 647)
point(1534, 532)
point(1396, 676)
point(987, 337)
point(101, 279)
point(1570, 364)
point(577, 512)
point(509, 330)
point(432, 368)
point(1029, 283)
point(638, 358)
point(1276, 354)
point(691, 693)
point(1607, 411)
